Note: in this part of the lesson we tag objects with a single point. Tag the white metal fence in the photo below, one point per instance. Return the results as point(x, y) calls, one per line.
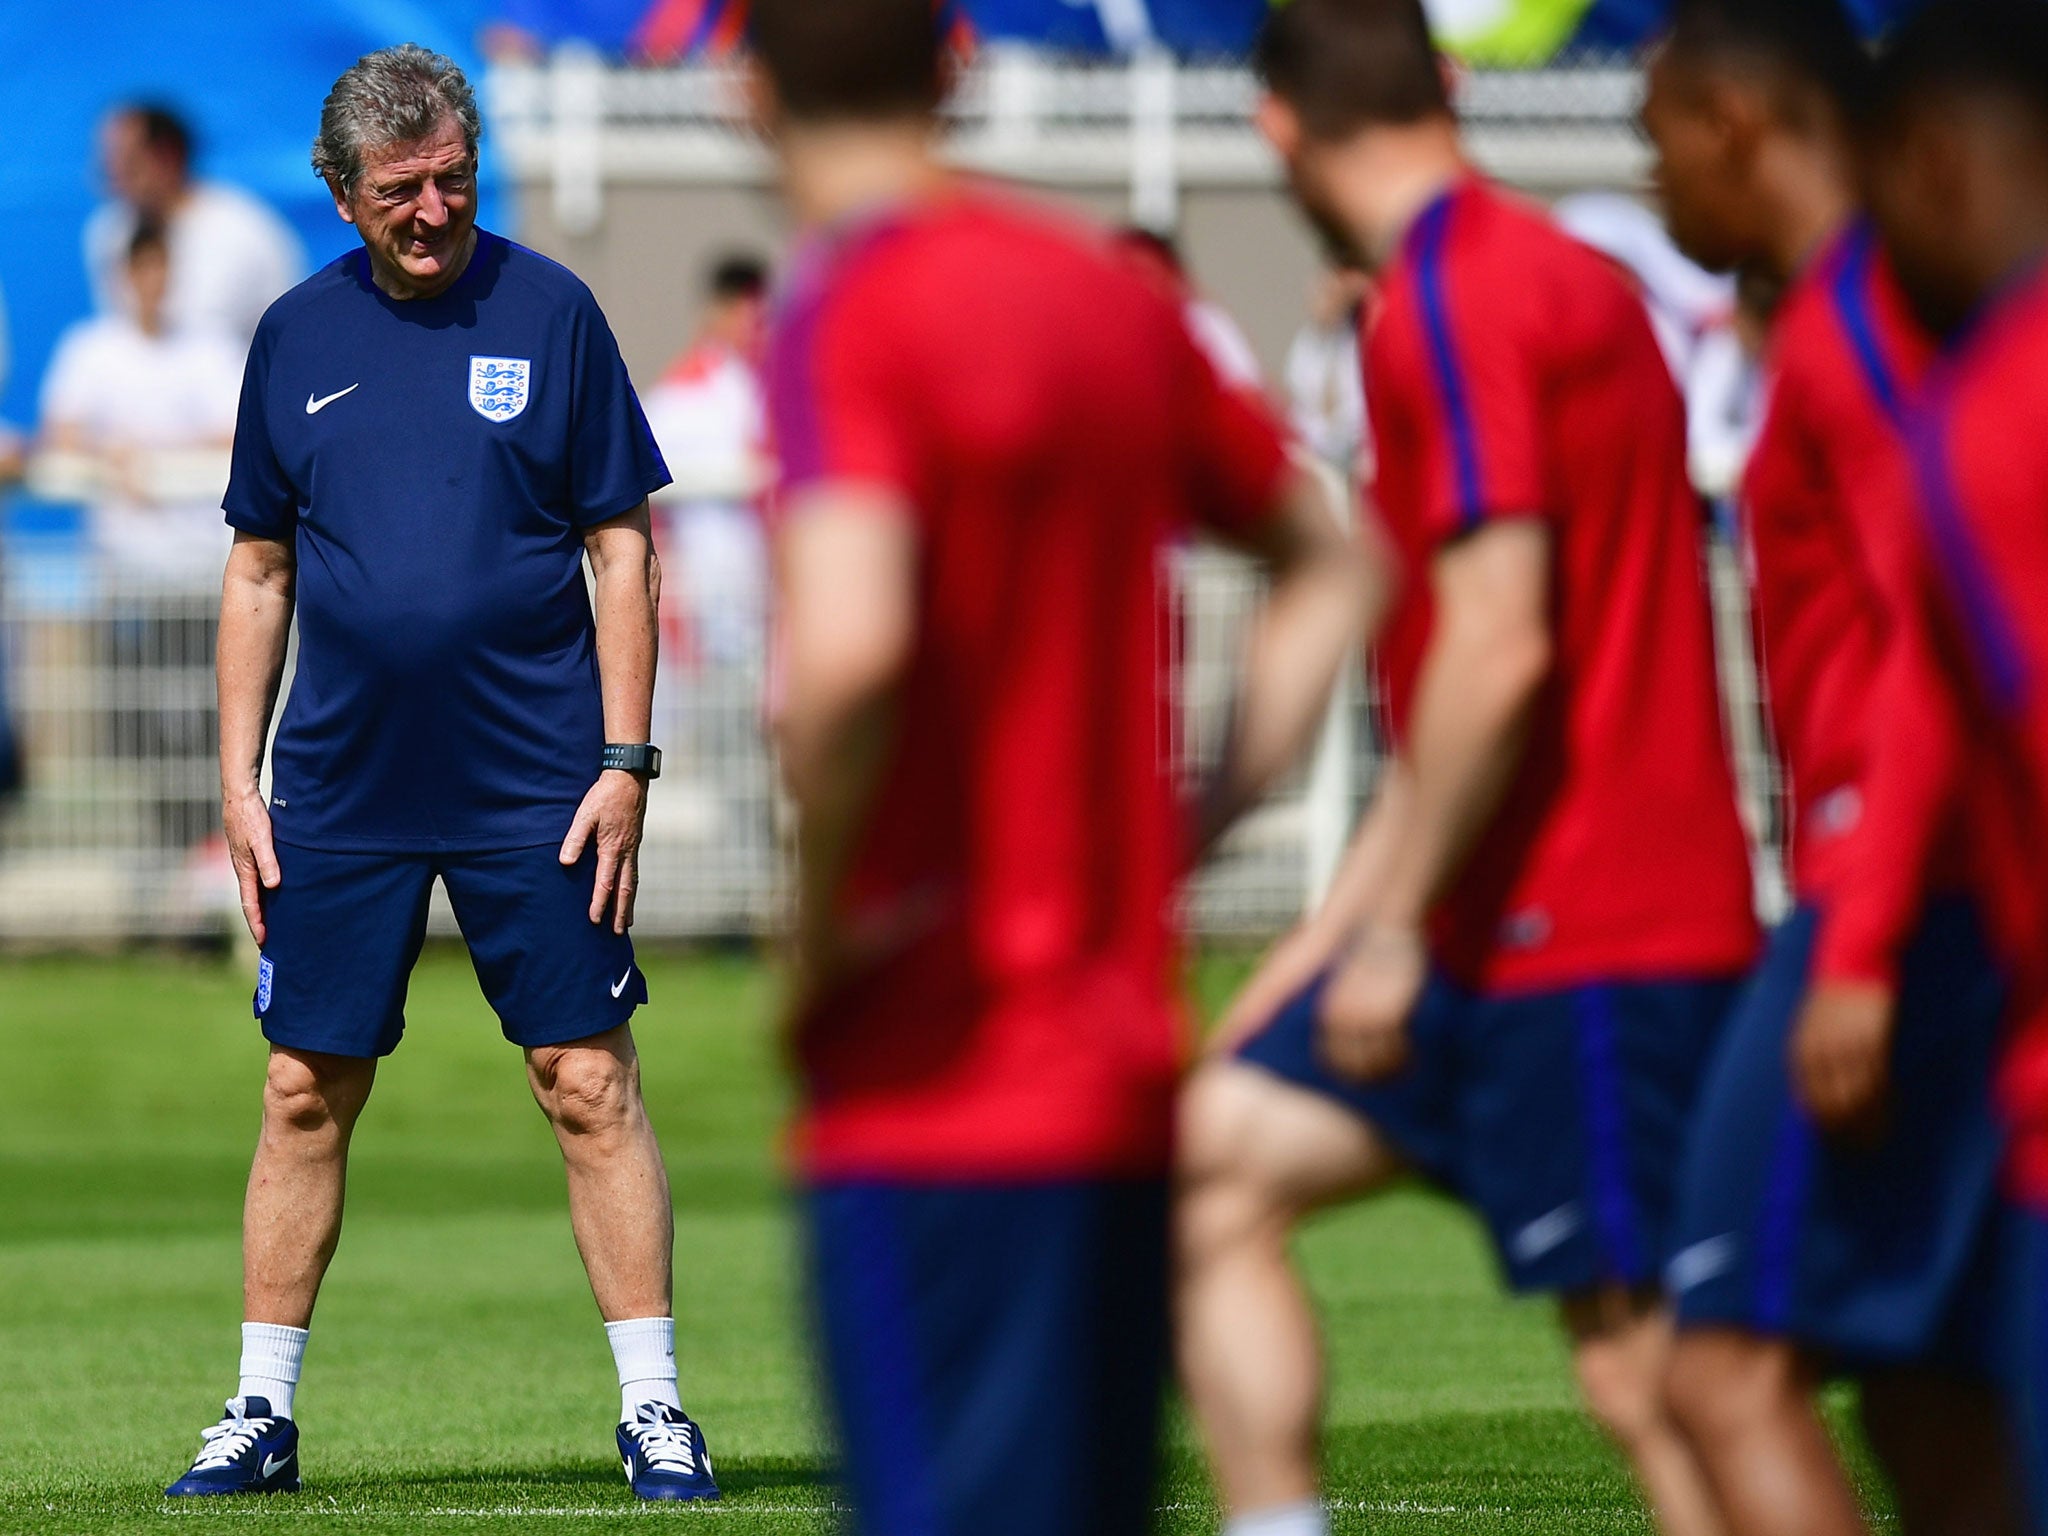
point(116, 836)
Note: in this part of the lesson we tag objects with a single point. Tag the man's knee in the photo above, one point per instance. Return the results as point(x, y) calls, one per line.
point(1619, 1356)
point(1257, 1155)
point(310, 1094)
point(1724, 1382)
point(587, 1090)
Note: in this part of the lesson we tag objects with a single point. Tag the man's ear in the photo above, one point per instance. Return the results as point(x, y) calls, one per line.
point(341, 204)
point(1279, 125)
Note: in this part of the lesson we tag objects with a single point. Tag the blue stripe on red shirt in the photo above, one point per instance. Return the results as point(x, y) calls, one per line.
point(1851, 291)
point(1989, 629)
point(1430, 231)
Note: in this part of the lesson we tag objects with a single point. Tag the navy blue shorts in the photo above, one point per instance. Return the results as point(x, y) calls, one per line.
point(1560, 1117)
point(1873, 1255)
point(346, 928)
point(2026, 1352)
point(994, 1354)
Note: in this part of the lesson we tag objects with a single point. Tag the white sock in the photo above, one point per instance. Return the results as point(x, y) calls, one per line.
point(271, 1354)
point(645, 1351)
point(1304, 1519)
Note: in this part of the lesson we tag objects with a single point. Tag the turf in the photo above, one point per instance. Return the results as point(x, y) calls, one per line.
point(458, 1379)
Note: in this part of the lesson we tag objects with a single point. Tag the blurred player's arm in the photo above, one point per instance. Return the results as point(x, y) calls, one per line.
point(1489, 658)
point(626, 583)
point(1841, 1046)
point(1325, 588)
point(257, 595)
point(847, 560)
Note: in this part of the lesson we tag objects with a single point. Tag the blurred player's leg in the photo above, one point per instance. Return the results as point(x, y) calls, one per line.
point(1747, 1403)
point(1256, 1156)
point(291, 1219)
point(1621, 1350)
point(1948, 1447)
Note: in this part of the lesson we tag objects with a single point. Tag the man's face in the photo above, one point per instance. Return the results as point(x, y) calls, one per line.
point(415, 205)
point(141, 176)
point(1306, 163)
point(1703, 156)
point(1916, 183)
point(149, 279)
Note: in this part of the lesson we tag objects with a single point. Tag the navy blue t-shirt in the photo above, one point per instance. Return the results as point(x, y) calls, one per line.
point(437, 462)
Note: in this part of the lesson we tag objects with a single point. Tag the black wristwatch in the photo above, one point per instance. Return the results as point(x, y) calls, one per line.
point(642, 758)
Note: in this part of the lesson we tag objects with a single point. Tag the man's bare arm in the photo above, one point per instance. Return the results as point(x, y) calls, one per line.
point(847, 572)
point(1326, 589)
point(1489, 657)
point(257, 595)
point(627, 583)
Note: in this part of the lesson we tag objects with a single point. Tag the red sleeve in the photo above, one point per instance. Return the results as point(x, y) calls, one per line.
point(1482, 449)
point(1236, 459)
point(839, 398)
point(1912, 773)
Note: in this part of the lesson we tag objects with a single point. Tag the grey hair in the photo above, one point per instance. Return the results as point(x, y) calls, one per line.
point(393, 96)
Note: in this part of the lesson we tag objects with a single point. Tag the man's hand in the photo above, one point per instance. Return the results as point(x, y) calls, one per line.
point(1287, 967)
point(1841, 1056)
point(245, 817)
point(614, 813)
point(1367, 1006)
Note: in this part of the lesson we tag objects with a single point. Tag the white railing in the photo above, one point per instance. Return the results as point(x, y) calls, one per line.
point(1153, 125)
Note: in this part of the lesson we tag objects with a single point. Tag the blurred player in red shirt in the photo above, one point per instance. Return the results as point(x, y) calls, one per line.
point(1799, 1255)
point(1519, 975)
point(993, 427)
point(1959, 185)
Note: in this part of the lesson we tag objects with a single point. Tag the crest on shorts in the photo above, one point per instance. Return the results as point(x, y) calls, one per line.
point(498, 386)
point(266, 976)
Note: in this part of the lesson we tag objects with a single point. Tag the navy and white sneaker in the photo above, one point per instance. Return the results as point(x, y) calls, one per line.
point(665, 1455)
point(249, 1451)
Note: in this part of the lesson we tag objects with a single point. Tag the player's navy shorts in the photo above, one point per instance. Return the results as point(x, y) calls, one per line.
point(345, 930)
point(1560, 1117)
point(1873, 1255)
point(2026, 1345)
point(994, 1354)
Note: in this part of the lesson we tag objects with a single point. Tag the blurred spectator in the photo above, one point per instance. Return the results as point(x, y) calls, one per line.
point(1220, 337)
point(230, 254)
point(708, 418)
point(1326, 375)
point(137, 417)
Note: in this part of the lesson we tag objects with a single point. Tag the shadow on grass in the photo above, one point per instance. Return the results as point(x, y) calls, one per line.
point(793, 1479)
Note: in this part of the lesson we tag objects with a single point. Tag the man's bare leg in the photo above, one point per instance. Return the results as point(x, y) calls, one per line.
point(1747, 1406)
point(1621, 1351)
point(618, 1188)
point(1948, 1446)
point(1256, 1156)
point(291, 1218)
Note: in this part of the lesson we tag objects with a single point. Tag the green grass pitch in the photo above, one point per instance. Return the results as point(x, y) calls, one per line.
point(458, 1379)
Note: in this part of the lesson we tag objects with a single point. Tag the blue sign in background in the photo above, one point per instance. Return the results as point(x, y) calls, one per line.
point(249, 77)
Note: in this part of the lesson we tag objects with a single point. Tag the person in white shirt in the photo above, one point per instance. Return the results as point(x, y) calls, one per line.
point(137, 415)
point(708, 418)
point(230, 254)
point(1326, 374)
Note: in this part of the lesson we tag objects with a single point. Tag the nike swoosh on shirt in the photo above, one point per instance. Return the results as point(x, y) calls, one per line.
point(315, 407)
point(620, 987)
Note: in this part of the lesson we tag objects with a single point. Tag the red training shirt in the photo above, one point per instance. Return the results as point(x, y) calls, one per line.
point(1962, 705)
point(1036, 402)
point(1514, 373)
point(1845, 360)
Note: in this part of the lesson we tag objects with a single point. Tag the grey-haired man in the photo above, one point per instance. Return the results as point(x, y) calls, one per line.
point(435, 431)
